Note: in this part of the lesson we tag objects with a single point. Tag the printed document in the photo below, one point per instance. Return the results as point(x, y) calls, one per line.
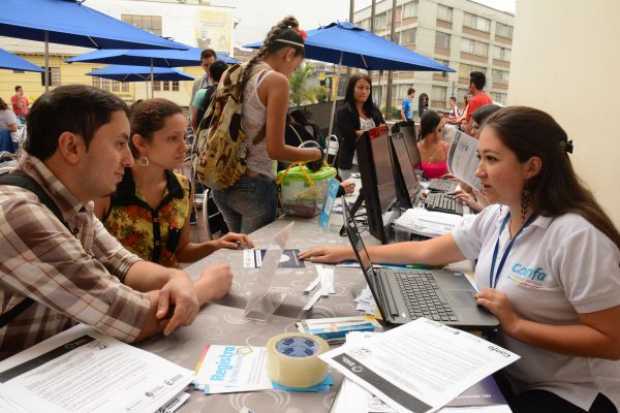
point(80, 370)
point(421, 366)
point(462, 156)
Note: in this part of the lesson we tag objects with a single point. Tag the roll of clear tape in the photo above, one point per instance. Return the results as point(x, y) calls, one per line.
point(293, 359)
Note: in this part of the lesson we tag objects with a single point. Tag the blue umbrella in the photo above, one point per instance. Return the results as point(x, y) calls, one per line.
point(124, 73)
point(10, 61)
point(156, 58)
point(345, 44)
point(70, 22)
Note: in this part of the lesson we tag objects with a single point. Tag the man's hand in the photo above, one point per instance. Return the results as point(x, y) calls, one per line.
point(214, 283)
point(178, 295)
point(234, 241)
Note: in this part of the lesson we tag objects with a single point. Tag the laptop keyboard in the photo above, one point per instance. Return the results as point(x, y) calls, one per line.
point(443, 203)
point(421, 298)
point(442, 185)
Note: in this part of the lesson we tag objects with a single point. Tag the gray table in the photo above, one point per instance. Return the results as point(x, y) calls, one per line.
point(224, 323)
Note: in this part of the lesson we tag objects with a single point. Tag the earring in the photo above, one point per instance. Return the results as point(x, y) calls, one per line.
point(526, 196)
point(143, 161)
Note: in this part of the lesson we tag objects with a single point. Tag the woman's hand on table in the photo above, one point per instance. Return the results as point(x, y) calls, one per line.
point(328, 255)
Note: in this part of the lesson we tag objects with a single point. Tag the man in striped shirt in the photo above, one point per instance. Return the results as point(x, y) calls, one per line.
point(72, 268)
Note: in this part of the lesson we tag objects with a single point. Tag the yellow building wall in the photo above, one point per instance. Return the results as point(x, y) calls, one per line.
point(565, 61)
point(75, 73)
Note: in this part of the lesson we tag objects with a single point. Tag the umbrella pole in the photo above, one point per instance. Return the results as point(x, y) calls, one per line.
point(334, 97)
point(46, 76)
point(152, 81)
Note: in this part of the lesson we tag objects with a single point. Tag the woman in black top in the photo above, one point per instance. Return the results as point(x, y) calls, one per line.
point(358, 114)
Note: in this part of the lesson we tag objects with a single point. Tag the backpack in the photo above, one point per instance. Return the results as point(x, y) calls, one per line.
point(20, 179)
point(220, 147)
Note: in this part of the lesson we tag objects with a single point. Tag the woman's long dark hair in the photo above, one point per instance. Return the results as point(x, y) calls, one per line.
point(369, 106)
point(557, 189)
point(428, 123)
point(3, 105)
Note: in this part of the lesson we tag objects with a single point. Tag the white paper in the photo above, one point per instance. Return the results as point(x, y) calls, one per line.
point(80, 370)
point(462, 156)
point(231, 369)
point(445, 362)
point(427, 223)
point(326, 275)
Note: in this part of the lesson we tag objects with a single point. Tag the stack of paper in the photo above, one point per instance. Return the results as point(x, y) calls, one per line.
point(427, 223)
point(80, 370)
point(419, 367)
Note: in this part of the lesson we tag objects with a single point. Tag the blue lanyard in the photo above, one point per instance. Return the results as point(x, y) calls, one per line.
point(493, 276)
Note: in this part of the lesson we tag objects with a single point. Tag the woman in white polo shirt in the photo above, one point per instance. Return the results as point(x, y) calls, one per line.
point(548, 266)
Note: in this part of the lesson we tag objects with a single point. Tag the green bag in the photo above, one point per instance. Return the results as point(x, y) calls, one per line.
point(303, 192)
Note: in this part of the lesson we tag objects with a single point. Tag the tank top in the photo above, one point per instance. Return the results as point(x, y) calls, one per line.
point(254, 117)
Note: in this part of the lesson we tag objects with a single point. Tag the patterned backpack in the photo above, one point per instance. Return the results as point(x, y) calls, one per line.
point(220, 148)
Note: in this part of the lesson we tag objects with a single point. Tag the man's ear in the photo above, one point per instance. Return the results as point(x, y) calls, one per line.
point(71, 147)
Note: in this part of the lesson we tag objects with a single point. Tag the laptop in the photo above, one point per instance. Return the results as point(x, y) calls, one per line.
point(408, 187)
point(407, 294)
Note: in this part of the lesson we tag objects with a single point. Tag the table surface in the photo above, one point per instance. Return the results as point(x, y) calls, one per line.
point(224, 322)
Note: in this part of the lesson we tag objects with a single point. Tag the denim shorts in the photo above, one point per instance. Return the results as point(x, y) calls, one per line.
point(249, 204)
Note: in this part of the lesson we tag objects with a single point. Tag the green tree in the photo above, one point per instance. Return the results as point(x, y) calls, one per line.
point(299, 91)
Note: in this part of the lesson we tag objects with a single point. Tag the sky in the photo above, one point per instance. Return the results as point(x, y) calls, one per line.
point(256, 17)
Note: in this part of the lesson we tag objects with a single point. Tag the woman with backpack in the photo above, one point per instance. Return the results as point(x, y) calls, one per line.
point(251, 202)
point(149, 212)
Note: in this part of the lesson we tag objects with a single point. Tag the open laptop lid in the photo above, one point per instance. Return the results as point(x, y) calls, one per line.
point(362, 254)
point(408, 185)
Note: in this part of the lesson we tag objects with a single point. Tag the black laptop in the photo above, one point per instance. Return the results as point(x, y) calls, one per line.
point(407, 294)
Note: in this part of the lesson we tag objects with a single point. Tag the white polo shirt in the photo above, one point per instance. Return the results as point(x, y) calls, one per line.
point(556, 269)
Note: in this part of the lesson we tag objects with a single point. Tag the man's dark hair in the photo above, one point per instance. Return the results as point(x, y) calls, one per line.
point(73, 108)
point(208, 53)
point(410, 91)
point(478, 79)
point(17, 87)
point(217, 69)
point(453, 98)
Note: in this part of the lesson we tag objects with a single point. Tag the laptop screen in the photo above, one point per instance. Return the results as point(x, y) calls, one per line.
point(410, 142)
point(356, 241)
point(380, 144)
point(406, 167)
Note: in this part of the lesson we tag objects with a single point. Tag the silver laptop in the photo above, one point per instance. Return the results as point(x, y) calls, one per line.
point(407, 294)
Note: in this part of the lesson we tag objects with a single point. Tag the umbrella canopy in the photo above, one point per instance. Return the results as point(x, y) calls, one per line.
point(156, 58)
point(70, 22)
point(11, 61)
point(349, 45)
point(138, 73)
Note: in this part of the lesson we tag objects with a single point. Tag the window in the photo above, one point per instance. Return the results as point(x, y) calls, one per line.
point(474, 47)
point(54, 76)
point(499, 97)
point(439, 93)
point(444, 12)
point(125, 87)
point(503, 30)
point(166, 85)
point(501, 53)
point(149, 23)
point(105, 84)
point(443, 62)
point(465, 70)
point(96, 82)
point(410, 10)
point(364, 24)
point(442, 40)
point(175, 85)
point(157, 85)
point(500, 76)
point(477, 22)
point(407, 37)
point(381, 21)
point(116, 86)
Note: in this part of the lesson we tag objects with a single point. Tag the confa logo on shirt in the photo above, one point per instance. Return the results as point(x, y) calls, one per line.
point(531, 277)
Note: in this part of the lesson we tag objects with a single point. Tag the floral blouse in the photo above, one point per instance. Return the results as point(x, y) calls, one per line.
point(152, 234)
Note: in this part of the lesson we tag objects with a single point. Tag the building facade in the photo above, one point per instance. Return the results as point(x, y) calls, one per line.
point(463, 34)
point(192, 22)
